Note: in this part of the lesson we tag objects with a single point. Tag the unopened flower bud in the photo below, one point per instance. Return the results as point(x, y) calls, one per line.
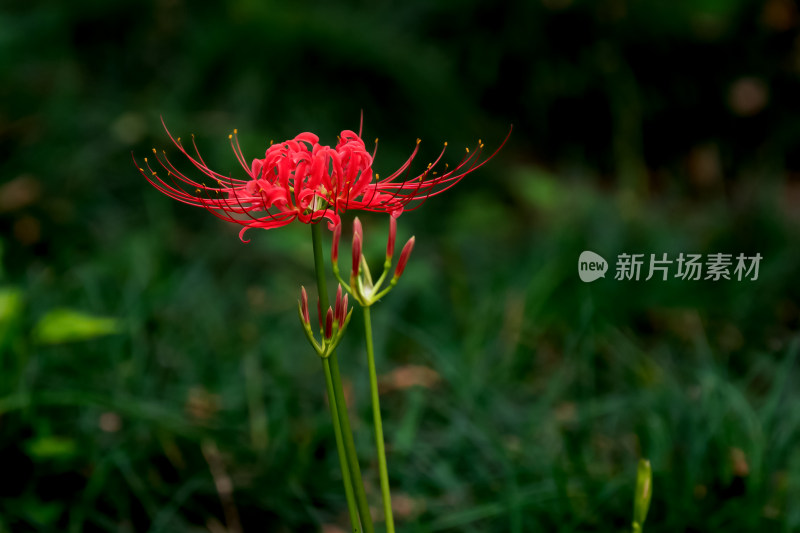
point(357, 230)
point(356, 254)
point(343, 312)
point(392, 235)
point(329, 323)
point(304, 304)
point(404, 255)
point(337, 306)
point(643, 494)
point(337, 233)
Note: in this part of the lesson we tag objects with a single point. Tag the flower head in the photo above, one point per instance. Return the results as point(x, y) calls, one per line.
point(300, 179)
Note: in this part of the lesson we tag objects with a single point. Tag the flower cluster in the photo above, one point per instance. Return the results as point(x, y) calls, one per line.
point(332, 326)
point(361, 286)
point(300, 179)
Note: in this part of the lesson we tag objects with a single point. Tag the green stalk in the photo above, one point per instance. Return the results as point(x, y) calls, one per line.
point(338, 395)
point(376, 415)
point(337, 429)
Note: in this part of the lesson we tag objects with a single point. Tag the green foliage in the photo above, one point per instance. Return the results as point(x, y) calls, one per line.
point(66, 325)
point(527, 396)
point(643, 494)
point(44, 448)
point(10, 314)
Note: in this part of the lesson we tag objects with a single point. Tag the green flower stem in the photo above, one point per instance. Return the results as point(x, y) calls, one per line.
point(376, 415)
point(338, 395)
point(387, 265)
point(337, 429)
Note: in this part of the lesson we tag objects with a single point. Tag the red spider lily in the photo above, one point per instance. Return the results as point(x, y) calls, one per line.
point(301, 179)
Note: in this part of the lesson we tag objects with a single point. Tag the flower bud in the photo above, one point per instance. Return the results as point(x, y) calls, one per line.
point(643, 494)
point(304, 304)
point(404, 255)
point(337, 233)
point(343, 312)
point(337, 306)
point(356, 254)
point(357, 230)
point(392, 235)
point(329, 323)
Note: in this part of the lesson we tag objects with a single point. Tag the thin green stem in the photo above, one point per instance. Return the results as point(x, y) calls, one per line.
point(337, 429)
point(350, 447)
point(376, 415)
point(387, 265)
point(338, 394)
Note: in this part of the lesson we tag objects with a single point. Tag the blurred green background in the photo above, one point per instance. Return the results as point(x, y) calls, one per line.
point(153, 377)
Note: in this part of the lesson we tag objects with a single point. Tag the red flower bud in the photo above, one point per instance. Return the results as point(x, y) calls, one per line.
point(404, 255)
point(337, 233)
point(329, 324)
point(304, 304)
point(337, 306)
point(343, 312)
point(357, 230)
point(392, 235)
point(356, 254)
